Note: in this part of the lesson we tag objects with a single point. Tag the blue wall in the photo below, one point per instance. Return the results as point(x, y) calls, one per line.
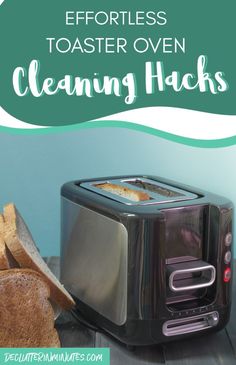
point(33, 168)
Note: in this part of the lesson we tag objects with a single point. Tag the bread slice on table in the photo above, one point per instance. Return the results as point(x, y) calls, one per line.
point(22, 246)
point(131, 194)
point(4, 263)
point(26, 315)
point(7, 261)
point(1, 223)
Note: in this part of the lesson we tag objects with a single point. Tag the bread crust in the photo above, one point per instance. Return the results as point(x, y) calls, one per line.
point(2, 223)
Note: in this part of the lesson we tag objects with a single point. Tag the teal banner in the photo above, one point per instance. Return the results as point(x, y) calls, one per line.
point(88, 356)
point(66, 62)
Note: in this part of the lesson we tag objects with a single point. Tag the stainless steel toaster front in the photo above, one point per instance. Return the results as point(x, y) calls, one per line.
point(94, 260)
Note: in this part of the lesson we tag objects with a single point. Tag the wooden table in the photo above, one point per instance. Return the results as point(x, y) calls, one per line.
point(214, 349)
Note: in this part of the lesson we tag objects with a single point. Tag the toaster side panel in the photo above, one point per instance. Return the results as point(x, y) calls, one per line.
point(94, 251)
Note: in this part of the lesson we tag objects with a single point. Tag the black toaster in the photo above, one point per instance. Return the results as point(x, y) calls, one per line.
point(148, 260)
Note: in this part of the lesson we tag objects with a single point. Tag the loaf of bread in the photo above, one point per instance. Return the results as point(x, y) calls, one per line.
point(26, 315)
point(21, 245)
point(123, 191)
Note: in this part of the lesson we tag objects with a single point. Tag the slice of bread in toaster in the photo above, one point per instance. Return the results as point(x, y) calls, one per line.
point(131, 194)
point(26, 315)
point(22, 246)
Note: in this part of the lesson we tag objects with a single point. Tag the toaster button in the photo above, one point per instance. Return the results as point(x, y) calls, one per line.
point(227, 257)
point(228, 239)
point(227, 275)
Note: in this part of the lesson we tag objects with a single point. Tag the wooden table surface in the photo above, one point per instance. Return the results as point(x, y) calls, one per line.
point(214, 349)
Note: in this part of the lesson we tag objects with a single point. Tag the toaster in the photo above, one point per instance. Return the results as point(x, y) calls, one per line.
point(146, 259)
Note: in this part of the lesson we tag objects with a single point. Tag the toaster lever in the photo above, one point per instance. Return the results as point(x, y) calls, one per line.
point(190, 275)
point(190, 324)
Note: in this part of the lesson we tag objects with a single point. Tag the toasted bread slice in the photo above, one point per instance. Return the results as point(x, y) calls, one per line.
point(1, 223)
point(6, 259)
point(4, 263)
point(27, 318)
point(131, 194)
point(21, 245)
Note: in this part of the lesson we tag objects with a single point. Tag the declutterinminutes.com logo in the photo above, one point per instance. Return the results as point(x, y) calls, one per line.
point(87, 356)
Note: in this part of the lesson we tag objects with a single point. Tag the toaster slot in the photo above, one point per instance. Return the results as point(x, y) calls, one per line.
point(133, 195)
point(154, 188)
point(191, 324)
point(138, 191)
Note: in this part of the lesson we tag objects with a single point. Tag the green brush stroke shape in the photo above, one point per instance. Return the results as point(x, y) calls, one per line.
point(214, 143)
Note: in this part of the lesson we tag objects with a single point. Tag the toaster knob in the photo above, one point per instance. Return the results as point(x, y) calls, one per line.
point(213, 319)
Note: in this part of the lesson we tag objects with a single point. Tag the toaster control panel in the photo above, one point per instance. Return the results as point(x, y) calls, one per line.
point(227, 245)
